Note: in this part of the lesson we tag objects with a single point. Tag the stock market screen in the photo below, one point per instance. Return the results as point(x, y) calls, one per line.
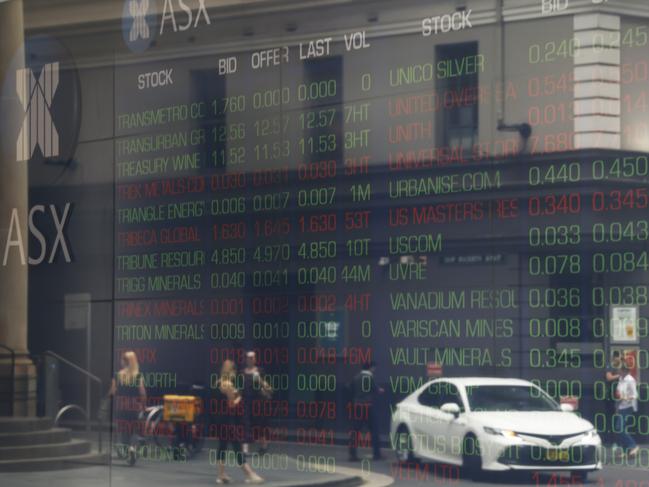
point(330, 229)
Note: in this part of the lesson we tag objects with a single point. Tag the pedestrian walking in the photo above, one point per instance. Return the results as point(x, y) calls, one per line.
point(612, 376)
point(255, 389)
point(128, 388)
point(230, 426)
point(626, 407)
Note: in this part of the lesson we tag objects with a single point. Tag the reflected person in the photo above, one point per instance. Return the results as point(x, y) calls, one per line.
point(365, 392)
point(255, 388)
point(231, 428)
point(612, 376)
point(128, 385)
point(626, 407)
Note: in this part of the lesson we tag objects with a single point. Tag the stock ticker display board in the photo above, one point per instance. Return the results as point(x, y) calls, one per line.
point(437, 199)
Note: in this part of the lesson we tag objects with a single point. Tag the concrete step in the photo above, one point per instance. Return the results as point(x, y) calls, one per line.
point(70, 448)
point(54, 435)
point(24, 424)
point(54, 463)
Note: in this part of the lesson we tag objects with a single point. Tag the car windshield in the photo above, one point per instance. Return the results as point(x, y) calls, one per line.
point(509, 398)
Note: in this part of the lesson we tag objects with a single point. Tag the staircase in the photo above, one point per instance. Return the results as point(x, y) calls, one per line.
point(31, 444)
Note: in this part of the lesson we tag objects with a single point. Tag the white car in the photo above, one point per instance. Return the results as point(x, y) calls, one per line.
point(493, 424)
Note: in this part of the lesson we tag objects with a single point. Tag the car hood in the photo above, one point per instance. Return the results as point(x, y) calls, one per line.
point(534, 422)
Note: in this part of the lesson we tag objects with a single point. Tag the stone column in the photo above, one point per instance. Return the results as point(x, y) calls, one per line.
point(13, 272)
point(597, 108)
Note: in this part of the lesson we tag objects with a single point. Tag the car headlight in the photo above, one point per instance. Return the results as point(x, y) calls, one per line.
point(500, 432)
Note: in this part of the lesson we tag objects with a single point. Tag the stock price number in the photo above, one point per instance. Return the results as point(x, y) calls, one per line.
point(617, 200)
point(601, 327)
point(551, 265)
point(317, 119)
point(565, 327)
point(552, 51)
point(552, 236)
point(626, 167)
point(614, 232)
point(555, 173)
point(318, 223)
point(615, 262)
point(272, 227)
point(233, 132)
point(229, 256)
point(318, 144)
point(555, 204)
point(229, 104)
point(619, 295)
point(229, 157)
point(272, 151)
point(272, 253)
point(323, 249)
point(270, 330)
point(558, 388)
point(553, 358)
point(554, 297)
point(267, 127)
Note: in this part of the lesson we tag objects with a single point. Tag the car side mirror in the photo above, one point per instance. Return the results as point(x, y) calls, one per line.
point(567, 408)
point(451, 408)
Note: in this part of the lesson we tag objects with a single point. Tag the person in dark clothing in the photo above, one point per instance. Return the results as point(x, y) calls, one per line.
point(364, 393)
point(255, 388)
point(128, 389)
point(230, 425)
point(612, 376)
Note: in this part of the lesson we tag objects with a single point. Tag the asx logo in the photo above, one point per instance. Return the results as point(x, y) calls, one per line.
point(36, 95)
point(138, 10)
point(139, 25)
point(188, 19)
point(14, 241)
point(40, 106)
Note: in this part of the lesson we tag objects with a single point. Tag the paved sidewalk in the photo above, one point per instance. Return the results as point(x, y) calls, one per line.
point(279, 470)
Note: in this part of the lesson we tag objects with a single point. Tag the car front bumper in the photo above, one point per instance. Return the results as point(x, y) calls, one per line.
point(504, 454)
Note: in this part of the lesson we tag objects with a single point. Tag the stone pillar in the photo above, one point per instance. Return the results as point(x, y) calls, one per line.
point(13, 272)
point(597, 105)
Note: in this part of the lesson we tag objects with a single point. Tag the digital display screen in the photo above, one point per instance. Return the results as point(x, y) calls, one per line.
point(345, 203)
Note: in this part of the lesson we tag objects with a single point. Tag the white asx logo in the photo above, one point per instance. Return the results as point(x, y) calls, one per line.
point(36, 97)
point(140, 29)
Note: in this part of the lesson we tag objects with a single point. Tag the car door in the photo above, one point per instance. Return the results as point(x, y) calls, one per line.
point(419, 412)
point(454, 428)
point(432, 423)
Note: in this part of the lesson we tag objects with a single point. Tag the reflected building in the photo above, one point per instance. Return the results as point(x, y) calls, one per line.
point(454, 184)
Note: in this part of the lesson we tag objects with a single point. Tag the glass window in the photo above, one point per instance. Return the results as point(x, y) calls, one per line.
point(458, 82)
point(509, 398)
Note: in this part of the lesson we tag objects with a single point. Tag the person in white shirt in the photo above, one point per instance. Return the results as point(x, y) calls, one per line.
point(626, 406)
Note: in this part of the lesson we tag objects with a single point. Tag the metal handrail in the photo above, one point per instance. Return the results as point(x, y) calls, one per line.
point(13, 377)
point(70, 407)
point(92, 377)
point(74, 366)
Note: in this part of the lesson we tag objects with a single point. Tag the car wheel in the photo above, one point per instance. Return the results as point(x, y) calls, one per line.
point(471, 457)
point(403, 446)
